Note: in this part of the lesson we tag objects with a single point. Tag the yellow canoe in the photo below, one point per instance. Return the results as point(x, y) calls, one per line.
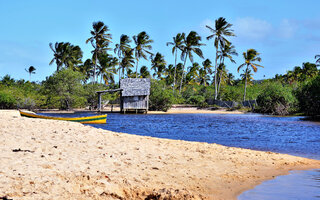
point(97, 119)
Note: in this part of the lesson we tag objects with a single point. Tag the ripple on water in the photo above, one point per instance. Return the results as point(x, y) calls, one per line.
point(289, 135)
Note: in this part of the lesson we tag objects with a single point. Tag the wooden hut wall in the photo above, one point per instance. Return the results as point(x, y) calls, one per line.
point(135, 102)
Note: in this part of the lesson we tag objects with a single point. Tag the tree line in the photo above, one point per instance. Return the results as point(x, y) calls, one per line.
point(75, 82)
point(126, 57)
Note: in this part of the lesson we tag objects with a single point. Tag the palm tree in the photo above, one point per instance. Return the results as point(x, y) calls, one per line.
point(127, 61)
point(130, 73)
point(203, 78)
point(230, 79)
point(309, 70)
point(121, 48)
point(100, 40)
point(317, 57)
point(107, 68)
point(169, 73)
point(297, 73)
point(86, 69)
point(66, 54)
point(143, 45)
point(250, 57)
point(158, 64)
point(31, 70)
point(144, 72)
point(192, 76)
point(191, 44)
point(57, 54)
point(206, 71)
point(222, 75)
point(247, 73)
point(222, 29)
point(290, 77)
point(72, 55)
point(177, 44)
point(227, 51)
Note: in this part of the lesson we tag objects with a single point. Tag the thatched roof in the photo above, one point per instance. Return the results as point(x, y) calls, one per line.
point(135, 86)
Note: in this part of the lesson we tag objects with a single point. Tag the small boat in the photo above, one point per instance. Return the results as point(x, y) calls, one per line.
point(97, 119)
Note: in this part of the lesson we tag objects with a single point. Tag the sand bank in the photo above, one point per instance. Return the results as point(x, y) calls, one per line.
point(46, 159)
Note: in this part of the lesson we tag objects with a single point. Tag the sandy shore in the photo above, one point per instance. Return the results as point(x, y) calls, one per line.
point(46, 159)
point(173, 110)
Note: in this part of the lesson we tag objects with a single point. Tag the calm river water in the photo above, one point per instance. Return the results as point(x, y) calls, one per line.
point(291, 135)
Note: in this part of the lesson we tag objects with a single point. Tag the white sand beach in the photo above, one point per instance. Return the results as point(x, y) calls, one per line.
point(47, 159)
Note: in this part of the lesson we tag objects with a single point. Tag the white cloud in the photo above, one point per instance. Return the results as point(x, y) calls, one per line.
point(252, 29)
point(287, 29)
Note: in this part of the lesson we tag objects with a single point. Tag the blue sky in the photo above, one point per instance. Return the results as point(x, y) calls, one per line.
point(286, 33)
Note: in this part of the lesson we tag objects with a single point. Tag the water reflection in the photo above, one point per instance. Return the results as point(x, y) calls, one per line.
point(298, 185)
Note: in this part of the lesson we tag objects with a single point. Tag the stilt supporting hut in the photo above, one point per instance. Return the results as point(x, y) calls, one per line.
point(134, 96)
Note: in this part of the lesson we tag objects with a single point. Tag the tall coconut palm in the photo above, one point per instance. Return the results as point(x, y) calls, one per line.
point(100, 40)
point(207, 70)
point(169, 73)
point(177, 45)
point(250, 57)
point(107, 68)
point(222, 75)
point(143, 47)
point(72, 56)
point(193, 74)
point(247, 74)
point(204, 78)
point(66, 54)
point(120, 49)
point(127, 62)
point(230, 79)
point(86, 69)
point(227, 51)
point(158, 64)
point(191, 44)
point(31, 70)
point(57, 54)
point(144, 72)
point(219, 32)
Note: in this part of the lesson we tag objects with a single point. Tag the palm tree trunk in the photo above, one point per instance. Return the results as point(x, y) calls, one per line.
point(219, 83)
point(119, 70)
point(183, 73)
point(175, 71)
point(245, 85)
point(137, 69)
point(220, 76)
point(215, 77)
point(95, 67)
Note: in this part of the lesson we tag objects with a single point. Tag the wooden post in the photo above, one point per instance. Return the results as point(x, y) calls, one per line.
point(99, 102)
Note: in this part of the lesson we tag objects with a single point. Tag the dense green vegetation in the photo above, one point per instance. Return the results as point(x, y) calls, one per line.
point(75, 82)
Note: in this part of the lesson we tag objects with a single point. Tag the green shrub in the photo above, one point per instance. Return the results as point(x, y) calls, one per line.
point(7, 101)
point(276, 99)
point(309, 97)
point(65, 86)
point(197, 99)
point(161, 97)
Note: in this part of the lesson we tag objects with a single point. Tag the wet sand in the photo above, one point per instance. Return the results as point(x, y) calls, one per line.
point(47, 159)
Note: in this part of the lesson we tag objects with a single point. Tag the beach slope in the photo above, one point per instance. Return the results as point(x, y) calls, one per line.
point(47, 159)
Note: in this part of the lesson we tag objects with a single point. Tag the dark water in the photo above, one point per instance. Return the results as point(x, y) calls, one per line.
point(291, 135)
